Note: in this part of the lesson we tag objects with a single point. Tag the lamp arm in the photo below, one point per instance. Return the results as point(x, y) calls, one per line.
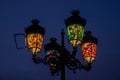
point(36, 60)
point(73, 64)
point(86, 66)
point(46, 59)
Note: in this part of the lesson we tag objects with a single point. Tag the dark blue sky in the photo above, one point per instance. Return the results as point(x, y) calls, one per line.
point(103, 19)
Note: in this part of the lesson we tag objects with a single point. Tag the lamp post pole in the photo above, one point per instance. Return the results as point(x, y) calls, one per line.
point(62, 63)
point(62, 71)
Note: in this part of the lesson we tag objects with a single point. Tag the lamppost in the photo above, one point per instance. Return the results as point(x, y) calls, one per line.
point(57, 55)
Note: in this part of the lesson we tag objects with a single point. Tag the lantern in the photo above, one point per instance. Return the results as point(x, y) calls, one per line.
point(89, 45)
point(75, 28)
point(52, 50)
point(34, 37)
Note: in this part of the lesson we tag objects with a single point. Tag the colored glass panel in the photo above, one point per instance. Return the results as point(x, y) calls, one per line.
point(34, 42)
point(53, 52)
point(75, 34)
point(52, 58)
point(89, 51)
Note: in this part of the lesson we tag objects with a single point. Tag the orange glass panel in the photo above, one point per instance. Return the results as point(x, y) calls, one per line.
point(89, 51)
point(34, 42)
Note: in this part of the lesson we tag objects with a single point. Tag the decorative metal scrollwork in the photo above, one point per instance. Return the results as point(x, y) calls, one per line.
point(73, 64)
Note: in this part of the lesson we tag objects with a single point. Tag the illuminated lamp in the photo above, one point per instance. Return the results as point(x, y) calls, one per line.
point(34, 37)
point(52, 49)
point(53, 54)
point(75, 28)
point(89, 45)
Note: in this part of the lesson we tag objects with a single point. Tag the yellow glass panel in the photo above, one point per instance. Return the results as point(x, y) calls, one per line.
point(89, 59)
point(89, 51)
point(34, 42)
point(75, 42)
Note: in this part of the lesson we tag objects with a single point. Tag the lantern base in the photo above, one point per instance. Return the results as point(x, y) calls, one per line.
point(75, 43)
point(34, 50)
point(89, 59)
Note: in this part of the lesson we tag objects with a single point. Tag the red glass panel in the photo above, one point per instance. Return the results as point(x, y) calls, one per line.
point(89, 51)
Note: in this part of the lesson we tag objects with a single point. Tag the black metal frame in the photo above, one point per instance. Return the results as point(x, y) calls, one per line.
point(67, 59)
point(18, 34)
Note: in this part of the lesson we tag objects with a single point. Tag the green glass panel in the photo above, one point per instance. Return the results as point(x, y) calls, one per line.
point(75, 32)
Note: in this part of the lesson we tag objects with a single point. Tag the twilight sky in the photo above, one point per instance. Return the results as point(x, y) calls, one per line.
point(102, 19)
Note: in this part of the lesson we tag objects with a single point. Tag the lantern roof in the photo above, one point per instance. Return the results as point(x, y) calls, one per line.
point(35, 28)
point(75, 19)
point(53, 45)
point(89, 38)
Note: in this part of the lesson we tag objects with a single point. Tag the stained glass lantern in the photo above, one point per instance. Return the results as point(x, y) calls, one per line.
point(34, 37)
point(89, 45)
point(52, 50)
point(75, 25)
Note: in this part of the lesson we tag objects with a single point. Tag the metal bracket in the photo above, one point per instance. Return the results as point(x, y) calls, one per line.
point(15, 36)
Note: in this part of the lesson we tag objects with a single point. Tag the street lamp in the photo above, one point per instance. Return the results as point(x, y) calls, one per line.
point(89, 45)
point(75, 27)
point(57, 56)
point(34, 37)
